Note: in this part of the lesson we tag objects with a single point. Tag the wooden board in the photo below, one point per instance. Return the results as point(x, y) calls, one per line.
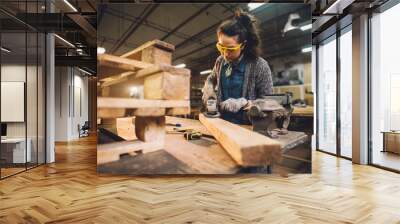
point(115, 102)
point(127, 76)
point(167, 86)
point(112, 151)
point(247, 148)
point(307, 111)
point(110, 65)
point(150, 129)
point(150, 111)
point(154, 43)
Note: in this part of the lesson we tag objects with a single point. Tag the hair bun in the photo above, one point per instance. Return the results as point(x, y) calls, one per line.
point(244, 18)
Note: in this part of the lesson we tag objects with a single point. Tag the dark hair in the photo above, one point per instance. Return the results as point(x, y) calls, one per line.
point(244, 26)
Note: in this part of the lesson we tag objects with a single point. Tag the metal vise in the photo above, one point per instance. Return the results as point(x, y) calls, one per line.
point(270, 115)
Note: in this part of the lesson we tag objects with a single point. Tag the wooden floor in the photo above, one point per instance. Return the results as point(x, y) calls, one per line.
point(387, 159)
point(70, 191)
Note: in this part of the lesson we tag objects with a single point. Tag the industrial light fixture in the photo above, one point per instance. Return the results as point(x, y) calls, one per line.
point(70, 5)
point(306, 49)
point(253, 6)
point(206, 72)
point(86, 72)
point(289, 26)
point(101, 50)
point(5, 50)
point(306, 27)
point(337, 7)
point(65, 41)
point(180, 66)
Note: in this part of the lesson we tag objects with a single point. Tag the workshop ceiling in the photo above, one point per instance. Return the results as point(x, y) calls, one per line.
point(192, 29)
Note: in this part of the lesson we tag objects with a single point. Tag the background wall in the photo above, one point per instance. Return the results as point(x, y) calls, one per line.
point(71, 102)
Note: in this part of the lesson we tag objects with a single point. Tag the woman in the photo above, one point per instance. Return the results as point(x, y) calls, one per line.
point(239, 75)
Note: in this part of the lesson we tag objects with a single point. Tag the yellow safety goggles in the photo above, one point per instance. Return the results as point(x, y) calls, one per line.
point(223, 49)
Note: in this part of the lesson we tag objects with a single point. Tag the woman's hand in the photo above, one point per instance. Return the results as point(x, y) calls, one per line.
point(233, 105)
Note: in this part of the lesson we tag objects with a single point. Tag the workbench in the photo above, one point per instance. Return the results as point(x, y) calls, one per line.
point(180, 156)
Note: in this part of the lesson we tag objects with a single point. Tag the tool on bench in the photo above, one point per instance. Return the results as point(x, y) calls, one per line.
point(174, 125)
point(190, 134)
point(211, 108)
point(270, 116)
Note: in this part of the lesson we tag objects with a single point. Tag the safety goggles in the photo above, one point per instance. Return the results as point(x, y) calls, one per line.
point(224, 49)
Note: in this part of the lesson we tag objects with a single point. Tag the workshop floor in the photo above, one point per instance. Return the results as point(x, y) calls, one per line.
point(70, 191)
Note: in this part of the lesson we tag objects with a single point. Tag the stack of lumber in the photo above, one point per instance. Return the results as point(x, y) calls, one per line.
point(165, 92)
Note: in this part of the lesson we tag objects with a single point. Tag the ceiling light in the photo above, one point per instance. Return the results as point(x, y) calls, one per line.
point(5, 50)
point(306, 27)
point(306, 49)
point(328, 10)
point(289, 26)
point(205, 72)
point(180, 66)
point(70, 5)
point(253, 6)
point(101, 50)
point(65, 41)
point(86, 72)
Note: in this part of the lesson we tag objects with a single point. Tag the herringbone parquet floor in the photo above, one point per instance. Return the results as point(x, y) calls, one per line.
point(70, 191)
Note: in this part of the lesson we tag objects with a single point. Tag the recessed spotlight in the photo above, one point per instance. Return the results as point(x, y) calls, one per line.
point(101, 50)
point(206, 72)
point(180, 66)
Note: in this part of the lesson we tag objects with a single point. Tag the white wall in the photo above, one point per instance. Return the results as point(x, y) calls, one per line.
point(71, 94)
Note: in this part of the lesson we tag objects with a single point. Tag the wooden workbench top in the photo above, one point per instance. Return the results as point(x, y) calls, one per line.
point(180, 156)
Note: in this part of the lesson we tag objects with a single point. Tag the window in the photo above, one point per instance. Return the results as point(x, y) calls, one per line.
point(346, 93)
point(385, 88)
point(327, 96)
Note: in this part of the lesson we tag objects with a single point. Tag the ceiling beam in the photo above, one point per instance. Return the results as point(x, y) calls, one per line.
point(201, 33)
point(204, 8)
point(134, 27)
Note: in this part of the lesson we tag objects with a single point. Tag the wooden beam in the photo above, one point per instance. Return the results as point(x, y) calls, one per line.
point(247, 148)
point(167, 86)
point(112, 151)
point(148, 111)
point(162, 68)
point(150, 129)
point(120, 64)
point(153, 43)
point(115, 102)
point(126, 76)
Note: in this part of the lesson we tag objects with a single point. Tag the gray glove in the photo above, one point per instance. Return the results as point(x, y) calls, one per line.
point(233, 105)
point(208, 92)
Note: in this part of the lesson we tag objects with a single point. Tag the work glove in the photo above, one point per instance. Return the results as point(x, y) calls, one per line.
point(208, 92)
point(233, 105)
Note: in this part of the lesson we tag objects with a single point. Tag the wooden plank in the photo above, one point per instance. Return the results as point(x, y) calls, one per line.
point(154, 43)
point(149, 129)
point(112, 151)
point(177, 111)
point(167, 86)
point(120, 64)
point(116, 102)
point(110, 112)
point(149, 112)
point(162, 68)
point(247, 148)
point(126, 128)
point(127, 76)
point(156, 55)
